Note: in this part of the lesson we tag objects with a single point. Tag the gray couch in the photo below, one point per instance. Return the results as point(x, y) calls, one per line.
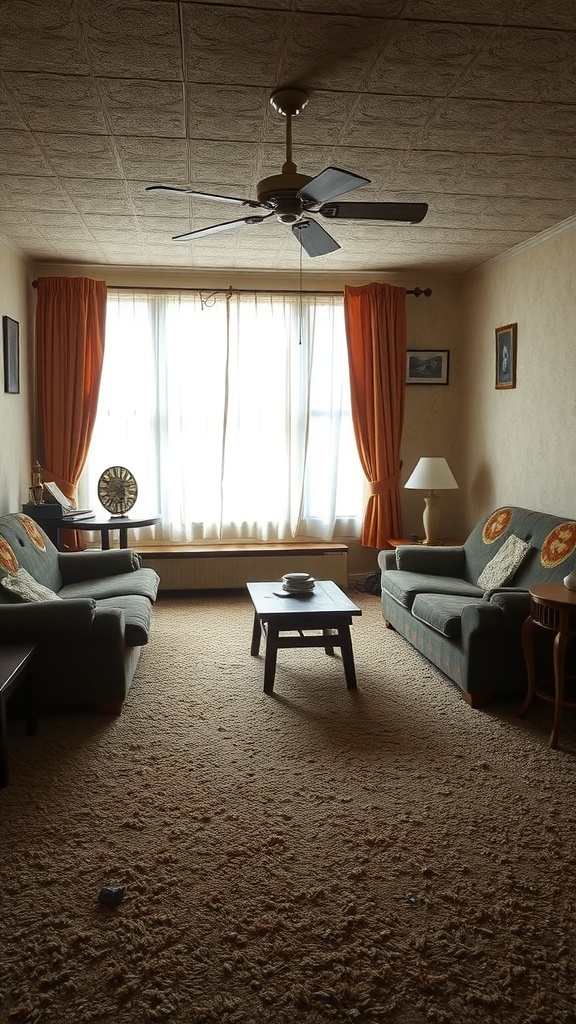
point(91, 624)
point(472, 631)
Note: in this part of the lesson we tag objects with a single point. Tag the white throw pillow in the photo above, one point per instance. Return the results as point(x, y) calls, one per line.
point(27, 588)
point(506, 561)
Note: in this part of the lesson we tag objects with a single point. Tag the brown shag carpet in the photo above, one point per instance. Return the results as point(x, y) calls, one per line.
point(315, 856)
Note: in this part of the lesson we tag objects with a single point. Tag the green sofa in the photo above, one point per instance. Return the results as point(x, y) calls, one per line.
point(89, 625)
point(439, 600)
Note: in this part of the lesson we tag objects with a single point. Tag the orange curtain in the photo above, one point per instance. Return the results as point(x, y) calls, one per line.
point(70, 326)
point(375, 318)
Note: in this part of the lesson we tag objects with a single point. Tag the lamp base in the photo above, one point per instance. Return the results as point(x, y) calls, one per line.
point(431, 519)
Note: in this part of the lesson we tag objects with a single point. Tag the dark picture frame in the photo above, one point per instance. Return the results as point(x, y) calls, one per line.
point(427, 366)
point(11, 335)
point(506, 348)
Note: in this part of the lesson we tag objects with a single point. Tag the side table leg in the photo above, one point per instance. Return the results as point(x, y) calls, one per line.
point(271, 656)
point(347, 656)
point(528, 649)
point(560, 645)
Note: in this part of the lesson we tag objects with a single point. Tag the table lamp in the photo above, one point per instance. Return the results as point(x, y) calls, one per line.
point(431, 474)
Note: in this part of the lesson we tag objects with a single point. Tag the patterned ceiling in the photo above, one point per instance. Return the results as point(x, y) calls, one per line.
point(467, 106)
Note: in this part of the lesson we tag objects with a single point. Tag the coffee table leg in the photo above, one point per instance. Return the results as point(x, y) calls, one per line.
point(271, 655)
point(256, 635)
point(329, 649)
point(347, 656)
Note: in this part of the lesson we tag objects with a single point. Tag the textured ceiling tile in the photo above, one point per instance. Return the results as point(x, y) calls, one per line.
point(539, 13)
point(19, 154)
point(520, 64)
point(144, 107)
point(90, 195)
point(437, 54)
point(349, 48)
point(9, 114)
point(35, 195)
point(57, 103)
point(132, 40)
point(391, 121)
point(151, 160)
point(477, 126)
point(236, 46)
point(76, 156)
point(41, 36)
point(226, 112)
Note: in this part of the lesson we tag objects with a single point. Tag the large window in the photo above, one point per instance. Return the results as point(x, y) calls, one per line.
point(233, 414)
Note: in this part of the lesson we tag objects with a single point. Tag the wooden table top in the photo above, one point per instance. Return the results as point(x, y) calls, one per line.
point(326, 598)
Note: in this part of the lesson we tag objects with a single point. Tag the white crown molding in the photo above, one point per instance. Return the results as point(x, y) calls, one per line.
point(528, 243)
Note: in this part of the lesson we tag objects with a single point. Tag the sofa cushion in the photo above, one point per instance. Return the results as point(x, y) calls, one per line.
point(26, 588)
point(442, 612)
point(506, 561)
point(405, 586)
point(143, 582)
point(137, 617)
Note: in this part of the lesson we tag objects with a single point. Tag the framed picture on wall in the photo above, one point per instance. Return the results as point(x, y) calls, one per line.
point(427, 366)
point(11, 331)
point(506, 356)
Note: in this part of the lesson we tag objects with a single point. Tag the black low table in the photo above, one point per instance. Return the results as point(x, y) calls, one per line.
point(325, 608)
point(14, 662)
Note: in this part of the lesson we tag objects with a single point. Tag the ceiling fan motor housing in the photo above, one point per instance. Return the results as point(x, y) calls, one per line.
point(279, 192)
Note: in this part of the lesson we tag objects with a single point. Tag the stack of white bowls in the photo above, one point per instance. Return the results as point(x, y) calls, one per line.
point(298, 582)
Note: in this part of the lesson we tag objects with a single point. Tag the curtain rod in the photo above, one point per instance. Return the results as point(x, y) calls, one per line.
point(241, 291)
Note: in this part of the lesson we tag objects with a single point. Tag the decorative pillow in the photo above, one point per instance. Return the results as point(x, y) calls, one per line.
point(26, 587)
point(506, 561)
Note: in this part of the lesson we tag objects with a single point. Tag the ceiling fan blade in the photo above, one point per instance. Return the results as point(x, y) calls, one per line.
point(313, 238)
point(204, 195)
point(330, 183)
point(391, 213)
point(215, 228)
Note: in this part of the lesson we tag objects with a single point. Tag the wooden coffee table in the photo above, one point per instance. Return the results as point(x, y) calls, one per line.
point(326, 608)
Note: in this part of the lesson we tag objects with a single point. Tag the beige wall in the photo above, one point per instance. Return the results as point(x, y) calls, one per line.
point(519, 446)
point(16, 451)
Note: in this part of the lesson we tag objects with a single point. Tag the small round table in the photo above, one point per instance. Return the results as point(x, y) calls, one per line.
point(552, 607)
point(120, 523)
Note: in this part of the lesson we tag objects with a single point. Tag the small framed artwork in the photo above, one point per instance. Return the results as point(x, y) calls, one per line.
point(506, 356)
point(427, 366)
point(11, 331)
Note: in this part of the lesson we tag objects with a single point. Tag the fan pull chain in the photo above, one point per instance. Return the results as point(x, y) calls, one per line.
point(300, 302)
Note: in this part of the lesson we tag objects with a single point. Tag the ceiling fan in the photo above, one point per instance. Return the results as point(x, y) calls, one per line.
point(292, 197)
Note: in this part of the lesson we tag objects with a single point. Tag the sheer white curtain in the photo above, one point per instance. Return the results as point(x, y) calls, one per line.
point(233, 415)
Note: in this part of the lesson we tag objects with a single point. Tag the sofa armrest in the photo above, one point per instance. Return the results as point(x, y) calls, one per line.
point(431, 561)
point(387, 559)
point(42, 620)
point(483, 617)
point(515, 605)
point(77, 566)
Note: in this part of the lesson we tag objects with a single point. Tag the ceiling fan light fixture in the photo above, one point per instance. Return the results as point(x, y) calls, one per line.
point(289, 102)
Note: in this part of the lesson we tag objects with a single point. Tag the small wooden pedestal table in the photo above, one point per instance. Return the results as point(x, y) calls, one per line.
point(552, 607)
point(325, 608)
point(14, 661)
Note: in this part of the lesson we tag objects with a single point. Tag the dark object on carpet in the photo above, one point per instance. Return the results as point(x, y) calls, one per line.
point(111, 895)
point(372, 584)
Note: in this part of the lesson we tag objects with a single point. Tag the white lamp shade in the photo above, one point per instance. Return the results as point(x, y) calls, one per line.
point(431, 474)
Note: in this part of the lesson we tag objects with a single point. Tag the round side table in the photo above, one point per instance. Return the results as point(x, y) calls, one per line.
point(552, 607)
